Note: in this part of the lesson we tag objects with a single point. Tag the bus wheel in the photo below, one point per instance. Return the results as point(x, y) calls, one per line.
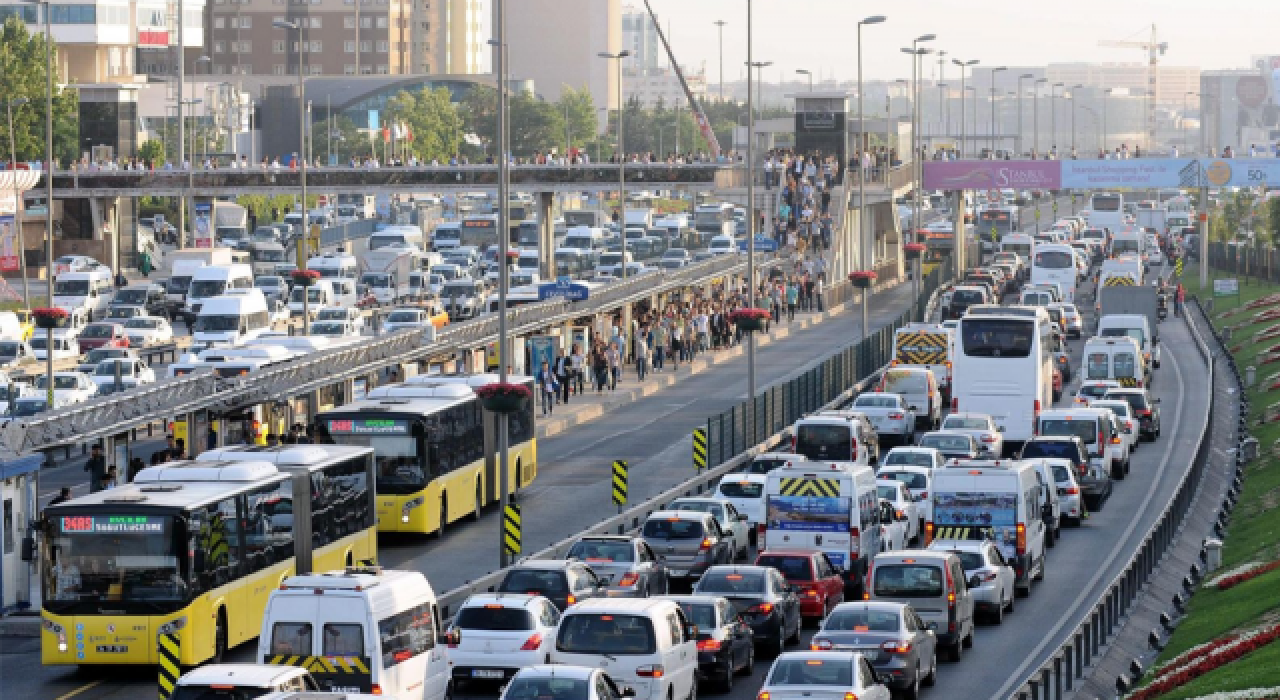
point(479, 503)
point(444, 516)
point(220, 636)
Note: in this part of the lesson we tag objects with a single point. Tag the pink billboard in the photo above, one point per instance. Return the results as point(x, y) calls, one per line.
point(989, 174)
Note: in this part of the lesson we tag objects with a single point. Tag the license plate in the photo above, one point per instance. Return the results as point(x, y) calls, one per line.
point(678, 572)
point(485, 673)
point(112, 648)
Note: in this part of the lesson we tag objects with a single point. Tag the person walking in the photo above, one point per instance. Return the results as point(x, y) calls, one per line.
point(1179, 297)
point(563, 372)
point(613, 356)
point(578, 367)
point(793, 296)
point(642, 352)
point(548, 386)
point(659, 344)
point(97, 468)
point(677, 343)
point(599, 366)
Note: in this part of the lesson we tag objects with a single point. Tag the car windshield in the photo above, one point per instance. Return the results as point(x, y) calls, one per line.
point(715, 509)
point(464, 289)
point(28, 407)
point(603, 550)
point(1093, 391)
point(207, 288)
point(1060, 473)
point(888, 493)
point(837, 673)
point(108, 368)
point(1135, 333)
point(1135, 400)
point(731, 582)
point(217, 323)
point(965, 423)
point(1049, 448)
point(60, 381)
point(548, 688)
point(862, 620)
point(101, 558)
point(675, 254)
point(741, 489)
point(877, 401)
point(1055, 260)
point(328, 328)
point(546, 582)
point(915, 482)
point(403, 316)
point(1118, 407)
point(9, 349)
point(127, 297)
point(494, 617)
point(264, 282)
point(601, 634)
point(313, 294)
point(673, 529)
point(71, 288)
point(997, 337)
point(970, 560)
point(142, 323)
point(794, 567)
point(375, 279)
point(907, 581)
point(701, 614)
point(764, 465)
point(947, 443)
point(1086, 430)
point(97, 331)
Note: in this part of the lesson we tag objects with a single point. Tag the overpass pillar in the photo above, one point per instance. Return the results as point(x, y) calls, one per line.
point(546, 236)
point(957, 224)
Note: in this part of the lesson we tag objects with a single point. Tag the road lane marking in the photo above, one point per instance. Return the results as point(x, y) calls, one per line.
point(81, 689)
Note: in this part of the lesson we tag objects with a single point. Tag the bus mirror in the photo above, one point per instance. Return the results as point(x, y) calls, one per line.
point(198, 561)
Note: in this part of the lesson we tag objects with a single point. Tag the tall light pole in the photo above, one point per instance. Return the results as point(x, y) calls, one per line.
point(17, 202)
point(1185, 109)
point(759, 67)
point(1105, 95)
point(1053, 115)
point(751, 221)
point(864, 242)
point(501, 72)
point(622, 159)
point(963, 65)
point(1073, 118)
point(1035, 108)
point(942, 101)
point(917, 157)
point(807, 72)
point(1024, 76)
point(992, 103)
point(290, 27)
point(720, 26)
point(48, 179)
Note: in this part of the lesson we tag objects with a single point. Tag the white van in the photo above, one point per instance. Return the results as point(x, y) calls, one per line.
point(825, 507)
point(584, 238)
point(647, 644)
point(65, 347)
point(1118, 358)
point(722, 245)
point(379, 629)
point(345, 294)
point(836, 436)
point(1135, 326)
point(10, 326)
point(319, 295)
point(90, 290)
point(241, 680)
point(214, 280)
point(397, 235)
point(232, 319)
point(447, 236)
point(1096, 428)
point(920, 388)
point(997, 500)
point(335, 266)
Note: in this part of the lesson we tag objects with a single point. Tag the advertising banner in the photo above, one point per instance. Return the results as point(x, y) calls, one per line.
point(8, 245)
point(986, 174)
point(808, 513)
point(1133, 172)
point(1242, 172)
point(542, 348)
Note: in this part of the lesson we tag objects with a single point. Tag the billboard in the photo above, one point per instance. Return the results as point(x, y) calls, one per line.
point(987, 174)
point(1134, 172)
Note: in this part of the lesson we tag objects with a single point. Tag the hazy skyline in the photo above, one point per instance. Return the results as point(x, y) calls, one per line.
point(819, 35)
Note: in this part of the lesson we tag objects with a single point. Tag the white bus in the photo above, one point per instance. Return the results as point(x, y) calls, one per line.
point(1106, 210)
point(1055, 263)
point(1021, 243)
point(1003, 367)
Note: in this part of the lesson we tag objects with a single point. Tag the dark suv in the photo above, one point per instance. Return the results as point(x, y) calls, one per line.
point(964, 296)
point(562, 581)
point(1145, 409)
point(1095, 484)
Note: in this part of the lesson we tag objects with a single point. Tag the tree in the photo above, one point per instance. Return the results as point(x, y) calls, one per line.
point(579, 111)
point(151, 151)
point(347, 140)
point(433, 121)
point(479, 109)
point(22, 75)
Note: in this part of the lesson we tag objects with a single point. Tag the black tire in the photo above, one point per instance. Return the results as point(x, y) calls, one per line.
point(220, 637)
point(795, 637)
point(932, 679)
point(967, 642)
point(997, 617)
point(955, 652)
point(727, 684)
point(1072, 522)
point(1050, 538)
point(1039, 576)
point(1008, 607)
point(444, 517)
point(750, 667)
point(475, 515)
point(912, 692)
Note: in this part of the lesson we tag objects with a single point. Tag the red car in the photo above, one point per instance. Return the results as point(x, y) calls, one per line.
point(818, 582)
point(103, 335)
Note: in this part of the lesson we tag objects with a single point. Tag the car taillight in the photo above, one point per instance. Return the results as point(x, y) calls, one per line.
point(1115, 440)
point(573, 599)
point(453, 637)
point(375, 690)
point(1144, 412)
point(760, 609)
point(928, 533)
point(900, 513)
point(853, 447)
point(951, 596)
point(708, 645)
point(899, 646)
point(1072, 491)
point(793, 443)
point(532, 643)
point(821, 645)
point(855, 542)
point(763, 695)
point(1101, 438)
point(924, 495)
point(955, 404)
point(988, 438)
point(706, 543)
point(654, 671)
point(1022, 539)
point(897, 416)
point(850, 696)
point(629, 579)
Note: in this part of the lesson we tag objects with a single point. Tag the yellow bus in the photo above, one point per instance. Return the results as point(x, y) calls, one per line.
point(428, 438)
point(194, 548)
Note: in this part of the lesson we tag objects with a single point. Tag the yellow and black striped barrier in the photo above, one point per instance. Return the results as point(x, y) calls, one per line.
point(1128, 382)
point(1120, 281)
point(322, 664)
point(821, 488)
point(699, 448)
point(619, 482)
point(511, 530)
point(170, 668)
point(949, 532)
point(1177, 267)
point(919, 348)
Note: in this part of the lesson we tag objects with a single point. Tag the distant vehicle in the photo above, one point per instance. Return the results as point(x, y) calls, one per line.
point(128, 368)
point(148, 330)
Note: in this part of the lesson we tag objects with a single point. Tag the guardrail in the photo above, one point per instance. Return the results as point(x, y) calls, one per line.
point(1058, 675)
point(632, 518)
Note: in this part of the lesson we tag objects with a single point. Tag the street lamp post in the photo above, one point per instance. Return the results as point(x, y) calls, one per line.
point(1035, 108)
point(1105, 95)
point(992, 103)
point(864, 245)
point(302, 157)
point(1022, 77)
point(963, 65)
point(48, 202)
point(17, 201)
point(917, 155)
point(942, 101)
point(720, 26)
point(806, 72)
point(1185, 109)
point(1073, 118)
point(1053, 117)
point(622, 159)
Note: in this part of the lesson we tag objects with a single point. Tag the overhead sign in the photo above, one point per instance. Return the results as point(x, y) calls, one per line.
point(563, 289)
point(988, 174)
point(1136, 173)
point(1132, 172)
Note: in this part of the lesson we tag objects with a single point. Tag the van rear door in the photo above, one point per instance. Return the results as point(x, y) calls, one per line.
point(813, 513)
point(328, 635)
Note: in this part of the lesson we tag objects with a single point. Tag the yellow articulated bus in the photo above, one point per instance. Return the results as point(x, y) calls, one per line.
point(428, 439)
point(195, 547)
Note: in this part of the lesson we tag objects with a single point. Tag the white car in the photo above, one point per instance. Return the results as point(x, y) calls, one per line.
point(1092, 389)
point(1070, 500)
point(746, 493)
point(980, 426)
point(889, 414)
point(97, 355)
point(733, 523)
point(400, 319)
point(1155, 257)
point(65, 347)
point(559, 681)
point(990, 578)
point(895, 532)
point(919, 482)
point(69, 387)
point(1129, 427)
point(132, 370)
point(148, 330)
point(914, 456)
point(334, 329)
point(904, 504)
point(495, 635)
point(822, 675)
point(354, 316)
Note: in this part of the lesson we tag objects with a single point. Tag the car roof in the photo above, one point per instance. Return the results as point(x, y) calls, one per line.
point(251, 675)
point(545, 564)
point(677, 515)
point(563, 671)
point(506, 600)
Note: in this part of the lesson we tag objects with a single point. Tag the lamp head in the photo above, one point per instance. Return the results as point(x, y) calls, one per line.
point(873, 19)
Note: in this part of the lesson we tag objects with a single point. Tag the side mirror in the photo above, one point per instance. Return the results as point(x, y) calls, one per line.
point(974, 582)
point(691, 631)
point(627, 691)
point(932, 627)
point(742, 517)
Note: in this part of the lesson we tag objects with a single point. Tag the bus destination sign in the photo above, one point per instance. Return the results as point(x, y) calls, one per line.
point(369, 426)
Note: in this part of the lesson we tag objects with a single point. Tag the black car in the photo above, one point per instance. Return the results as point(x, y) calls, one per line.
point(1145, 409)
point(726, 645)
point(964, 297)
point(762, 597)
point(1095, 484)
point(149, 297)
point(563, 582)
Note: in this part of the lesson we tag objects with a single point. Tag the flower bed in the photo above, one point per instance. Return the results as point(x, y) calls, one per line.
point(1192, 654)
point(749, 319)
point(1249, 694)
point(1221, 653)
point(1237, 579)
point(862, 278)
point(48, 316)
point(913, 250)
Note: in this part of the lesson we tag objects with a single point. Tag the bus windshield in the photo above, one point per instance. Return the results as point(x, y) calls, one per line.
point(996, 337)
point(1054, 260)
point(399, 468)
point(1105, 202)
point(109, 557)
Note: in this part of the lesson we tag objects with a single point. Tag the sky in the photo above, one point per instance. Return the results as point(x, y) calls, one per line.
point(819, 35)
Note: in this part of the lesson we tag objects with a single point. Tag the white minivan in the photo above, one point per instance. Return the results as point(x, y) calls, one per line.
point(214, 280)
point(90, 291)
point(232, 319)
point(378, 629)
point(645, 643)
point(319, 296)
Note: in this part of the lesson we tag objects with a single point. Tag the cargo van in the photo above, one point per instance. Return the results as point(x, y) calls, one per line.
point(379, 630)
point(335, 266)
point(90, 290)
point(920, 388)
point(824, 507)
point(319, 295)
point(932, 582)
point(1135, 326)
point(214, 280)
point(925, 345)
point(836, 436)
point(396, 235)
point(446, 236)
point(584, 238)
point(232, 319)
point(1118, 358)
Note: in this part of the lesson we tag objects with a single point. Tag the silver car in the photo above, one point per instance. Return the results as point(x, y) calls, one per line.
point(981, 426)
point(1070, 499)
point(991, 579)
point(889, 415)
point(626, 565)
point(891, 636)
point(687, 542)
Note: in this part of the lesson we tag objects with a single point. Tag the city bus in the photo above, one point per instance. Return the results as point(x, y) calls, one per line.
point(427, 435)
point(194, 548)
point(995, 222)
point(1002, 366)
point(480, 231)
point(1106, 210)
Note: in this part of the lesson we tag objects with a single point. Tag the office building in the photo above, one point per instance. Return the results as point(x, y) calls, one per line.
point(555, 44)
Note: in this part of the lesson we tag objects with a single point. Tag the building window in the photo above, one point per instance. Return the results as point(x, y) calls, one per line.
point(382, 69)
point(315, 69)
point(348, 69)
point(277, 46)
point(384, 46)
point(219, 22)
point(277, 19)
point(73, 14)
point(366, 23)
point(382, 23)
point(317, 47)
point(219, 70)
point(246, 22)
point(348, 22)
point(349, 46)
point(246, 47)
point(366, 47)
point(219, 46)
point(277, 69)
point(366, 69)
point(316, 23)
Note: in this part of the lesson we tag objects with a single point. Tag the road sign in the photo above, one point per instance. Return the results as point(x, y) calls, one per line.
point(619, 482)
point(1037, 215)
point(699, 449)
point(1055, 206)
point(170, 668)
point(993, 195)
point(511, 530)
point(1226, 287)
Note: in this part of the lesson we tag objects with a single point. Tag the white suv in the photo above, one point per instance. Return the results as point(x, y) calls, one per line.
point(644, 643)
point(495, 635)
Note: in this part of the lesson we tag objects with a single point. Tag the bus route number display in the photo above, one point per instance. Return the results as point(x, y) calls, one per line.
point(369, 426)
point(111, 524)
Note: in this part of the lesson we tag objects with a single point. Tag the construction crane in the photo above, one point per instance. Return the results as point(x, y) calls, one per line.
point(1155, 49)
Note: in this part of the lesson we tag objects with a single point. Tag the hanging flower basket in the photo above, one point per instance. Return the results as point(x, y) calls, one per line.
point(913, 251)
point(748, 319)
point(863, 279)
point(304, 278)
point(503, 398)
point(513, 255)
point(48, 317)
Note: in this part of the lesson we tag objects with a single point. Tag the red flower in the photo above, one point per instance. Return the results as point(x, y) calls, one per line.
point(1210, 662)
point(49, 312)
point(305, 275)
point(748, 314)
point(500, 389)
point(513, 253)
point(914, 247)
point(1237, 579)
point(862, 275)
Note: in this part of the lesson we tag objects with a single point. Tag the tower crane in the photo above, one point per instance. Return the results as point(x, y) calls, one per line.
point(1155, 49)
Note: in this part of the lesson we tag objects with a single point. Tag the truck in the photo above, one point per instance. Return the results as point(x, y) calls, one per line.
point(183, 263)
point(638, 217)
point(385, 272)
point(1155, 219)
point(230, 221)
point(584, 217)
point(1131, 299)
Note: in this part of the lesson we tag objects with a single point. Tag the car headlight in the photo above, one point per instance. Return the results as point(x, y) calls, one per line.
point(173, 625)
point(408, 506)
